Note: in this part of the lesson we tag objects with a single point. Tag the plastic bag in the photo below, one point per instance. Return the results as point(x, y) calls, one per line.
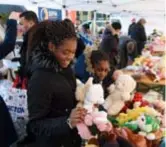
point(16, 101)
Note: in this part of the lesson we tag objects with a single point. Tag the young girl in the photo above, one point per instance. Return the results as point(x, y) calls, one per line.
point(51, 86)
point(100, 65)
point(93, 63)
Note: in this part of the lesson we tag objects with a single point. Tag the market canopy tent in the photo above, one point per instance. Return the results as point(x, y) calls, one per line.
point(109, 5)
point(140, 6)
point(152, 10)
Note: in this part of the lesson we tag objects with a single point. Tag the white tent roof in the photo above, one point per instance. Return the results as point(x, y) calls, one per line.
point(107, 6)
point(152, 10)
point(116, 5)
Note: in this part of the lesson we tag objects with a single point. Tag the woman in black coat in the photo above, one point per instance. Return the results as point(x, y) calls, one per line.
point(51, 86)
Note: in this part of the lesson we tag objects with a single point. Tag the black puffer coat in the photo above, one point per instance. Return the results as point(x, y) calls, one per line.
point(51, 97)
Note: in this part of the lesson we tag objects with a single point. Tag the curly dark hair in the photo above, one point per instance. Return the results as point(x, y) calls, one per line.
point(51, 31)
point(97, 56)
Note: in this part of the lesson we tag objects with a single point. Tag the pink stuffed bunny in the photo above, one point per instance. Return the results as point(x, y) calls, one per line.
point(99, 119)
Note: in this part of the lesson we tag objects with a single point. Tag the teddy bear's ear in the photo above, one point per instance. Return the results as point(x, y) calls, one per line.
point(111, 88)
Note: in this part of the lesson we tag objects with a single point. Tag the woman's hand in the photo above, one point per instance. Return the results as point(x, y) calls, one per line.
point(77, 116)
point(14, 15)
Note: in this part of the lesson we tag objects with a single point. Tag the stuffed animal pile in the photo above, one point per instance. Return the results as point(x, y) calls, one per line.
point(125, 113)
point(156, 45)
point(154, 66)
point(142, 117)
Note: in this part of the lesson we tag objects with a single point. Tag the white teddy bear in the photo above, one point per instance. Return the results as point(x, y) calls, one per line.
point(119, 93)
point(89, 95)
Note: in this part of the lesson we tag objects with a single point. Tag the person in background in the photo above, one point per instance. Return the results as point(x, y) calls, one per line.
point(154, 34)
point(28, 19)
point(52, 85)
point(80, 44)
point(80, 47)
point(100, 33)
point(133, 22)
point(10, 37)
point(86, 35)
point(77, 25)
point(139, 35)
point(109, 43)
point(127, 51)
point(97, 66)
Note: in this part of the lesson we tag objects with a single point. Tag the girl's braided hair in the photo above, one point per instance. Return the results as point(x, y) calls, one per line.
point(51, 31)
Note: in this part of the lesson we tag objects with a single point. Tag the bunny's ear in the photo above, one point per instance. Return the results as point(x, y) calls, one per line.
point(89, 82)
point(78, 82)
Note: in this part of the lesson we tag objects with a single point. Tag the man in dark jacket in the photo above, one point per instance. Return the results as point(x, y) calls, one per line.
point(27, 19)
point(131, 26)
point(10, 37)
point(110, 41)
point(127, 51)
point(139, 35)
point(80, 47)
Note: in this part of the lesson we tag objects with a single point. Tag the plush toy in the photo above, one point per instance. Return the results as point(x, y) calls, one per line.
point(148, 125)
point(138, 61)
point(159, 105)
point(133, 114)
point(138, 100)
point(145, 125)
point(99, 119)
point(135, 139)
point(116, 74)
point(157, 69)
point(80, 92)
point(152, 96)
point(138, 140)
point(132, 125)
point(89, 95)
point(119, 93)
